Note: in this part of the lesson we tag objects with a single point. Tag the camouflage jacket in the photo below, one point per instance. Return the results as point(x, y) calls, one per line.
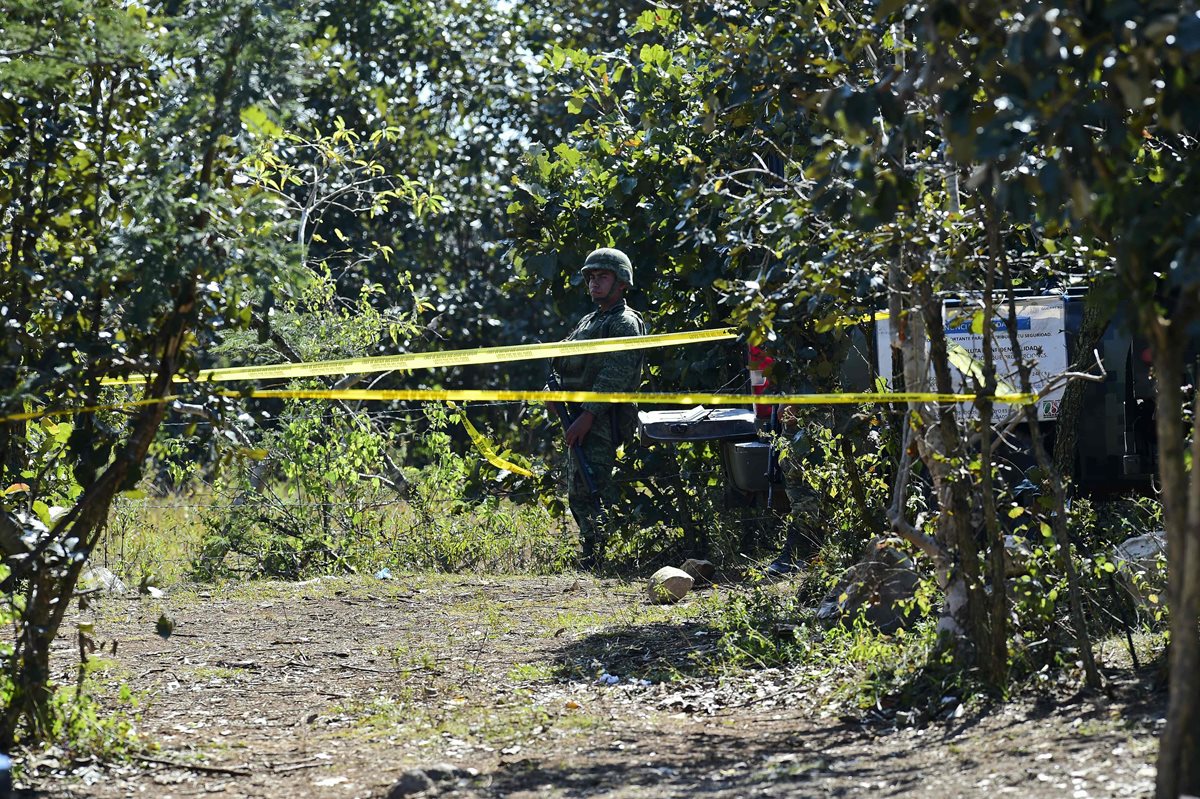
point(610, 371)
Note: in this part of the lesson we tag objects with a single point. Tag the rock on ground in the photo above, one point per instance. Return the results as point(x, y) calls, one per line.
point(701, 571)
point(102, 578)
point(873, 587)
point(410, 783)
point(669, 584)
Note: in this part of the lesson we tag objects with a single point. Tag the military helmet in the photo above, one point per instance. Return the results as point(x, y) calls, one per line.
point(611, 259)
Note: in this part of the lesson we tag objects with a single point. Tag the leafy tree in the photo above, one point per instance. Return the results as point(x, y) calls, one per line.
point(1092, 109)
point(461, 85)
point(822, 169)
point(733, 195)
point(127, 243)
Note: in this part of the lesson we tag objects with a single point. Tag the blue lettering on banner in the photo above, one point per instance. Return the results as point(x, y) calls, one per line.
point(964, 327)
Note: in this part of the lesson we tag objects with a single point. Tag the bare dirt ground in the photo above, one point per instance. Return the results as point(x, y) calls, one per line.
point(339, 688)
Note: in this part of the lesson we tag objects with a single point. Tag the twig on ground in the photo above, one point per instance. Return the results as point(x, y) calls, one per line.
point(298, 766)
point(159, 761)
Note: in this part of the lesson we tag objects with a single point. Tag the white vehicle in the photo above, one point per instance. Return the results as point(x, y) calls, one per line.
point(1116, 448)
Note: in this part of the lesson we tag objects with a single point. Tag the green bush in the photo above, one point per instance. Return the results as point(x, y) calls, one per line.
point(763, 628)
point(317, 504)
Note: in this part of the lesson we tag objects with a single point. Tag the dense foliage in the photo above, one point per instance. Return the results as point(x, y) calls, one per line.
point(186, 185)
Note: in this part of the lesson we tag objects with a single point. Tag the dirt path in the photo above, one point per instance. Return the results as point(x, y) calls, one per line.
point(338, 688)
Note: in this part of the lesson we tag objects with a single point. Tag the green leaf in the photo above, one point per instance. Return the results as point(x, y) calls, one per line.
point(256, 120)
point(646, 21)
point(568, 154)
point(62, 432)
point(653, 55)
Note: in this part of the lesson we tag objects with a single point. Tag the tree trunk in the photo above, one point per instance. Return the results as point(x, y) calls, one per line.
point(1058, 492)
point(52, 578)
point(1179, 746)
point(996, 662)
point(909, 328)
point(51, 584)
point(946, 458)
point(1095, 321)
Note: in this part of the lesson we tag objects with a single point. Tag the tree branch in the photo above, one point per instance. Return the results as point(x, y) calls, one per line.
point(11, 542)
point(895, 512)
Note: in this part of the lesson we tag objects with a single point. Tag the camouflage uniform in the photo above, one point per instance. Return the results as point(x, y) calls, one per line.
point(612, 371)
point(816, 363)
point(804, 533)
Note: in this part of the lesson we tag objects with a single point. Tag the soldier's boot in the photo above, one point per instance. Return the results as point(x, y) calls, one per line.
point(587, 561)
point(797, 548)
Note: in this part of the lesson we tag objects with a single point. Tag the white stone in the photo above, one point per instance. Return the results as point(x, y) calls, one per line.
point(1141, 565)
point(669, 584)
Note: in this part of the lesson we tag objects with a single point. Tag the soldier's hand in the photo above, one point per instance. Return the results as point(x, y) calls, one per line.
point(579, 428)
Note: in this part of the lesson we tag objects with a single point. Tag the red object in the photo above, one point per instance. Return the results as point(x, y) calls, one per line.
point(760, 365)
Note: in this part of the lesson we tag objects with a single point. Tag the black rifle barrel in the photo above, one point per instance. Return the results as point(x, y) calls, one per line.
point(566, 419)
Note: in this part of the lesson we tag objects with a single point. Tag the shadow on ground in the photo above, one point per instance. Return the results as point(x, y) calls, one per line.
point(652, 652)
point(835, 760)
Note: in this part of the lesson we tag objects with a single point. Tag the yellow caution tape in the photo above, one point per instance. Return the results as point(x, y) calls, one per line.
point(697, 398)
point(488, 355)
point(117, 406)
point(491, 395)
point(432, 360)
point(847, 321)
point(487, 450)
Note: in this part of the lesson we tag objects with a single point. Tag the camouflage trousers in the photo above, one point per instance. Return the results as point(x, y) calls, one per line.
point(600, 452)
point(804, 534)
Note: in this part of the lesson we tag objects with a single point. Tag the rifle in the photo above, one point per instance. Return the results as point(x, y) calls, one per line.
point(565, 418)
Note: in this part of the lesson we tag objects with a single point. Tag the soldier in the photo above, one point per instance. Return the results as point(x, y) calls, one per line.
point(596, 429)
point(804, 523)
point(813, 365)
